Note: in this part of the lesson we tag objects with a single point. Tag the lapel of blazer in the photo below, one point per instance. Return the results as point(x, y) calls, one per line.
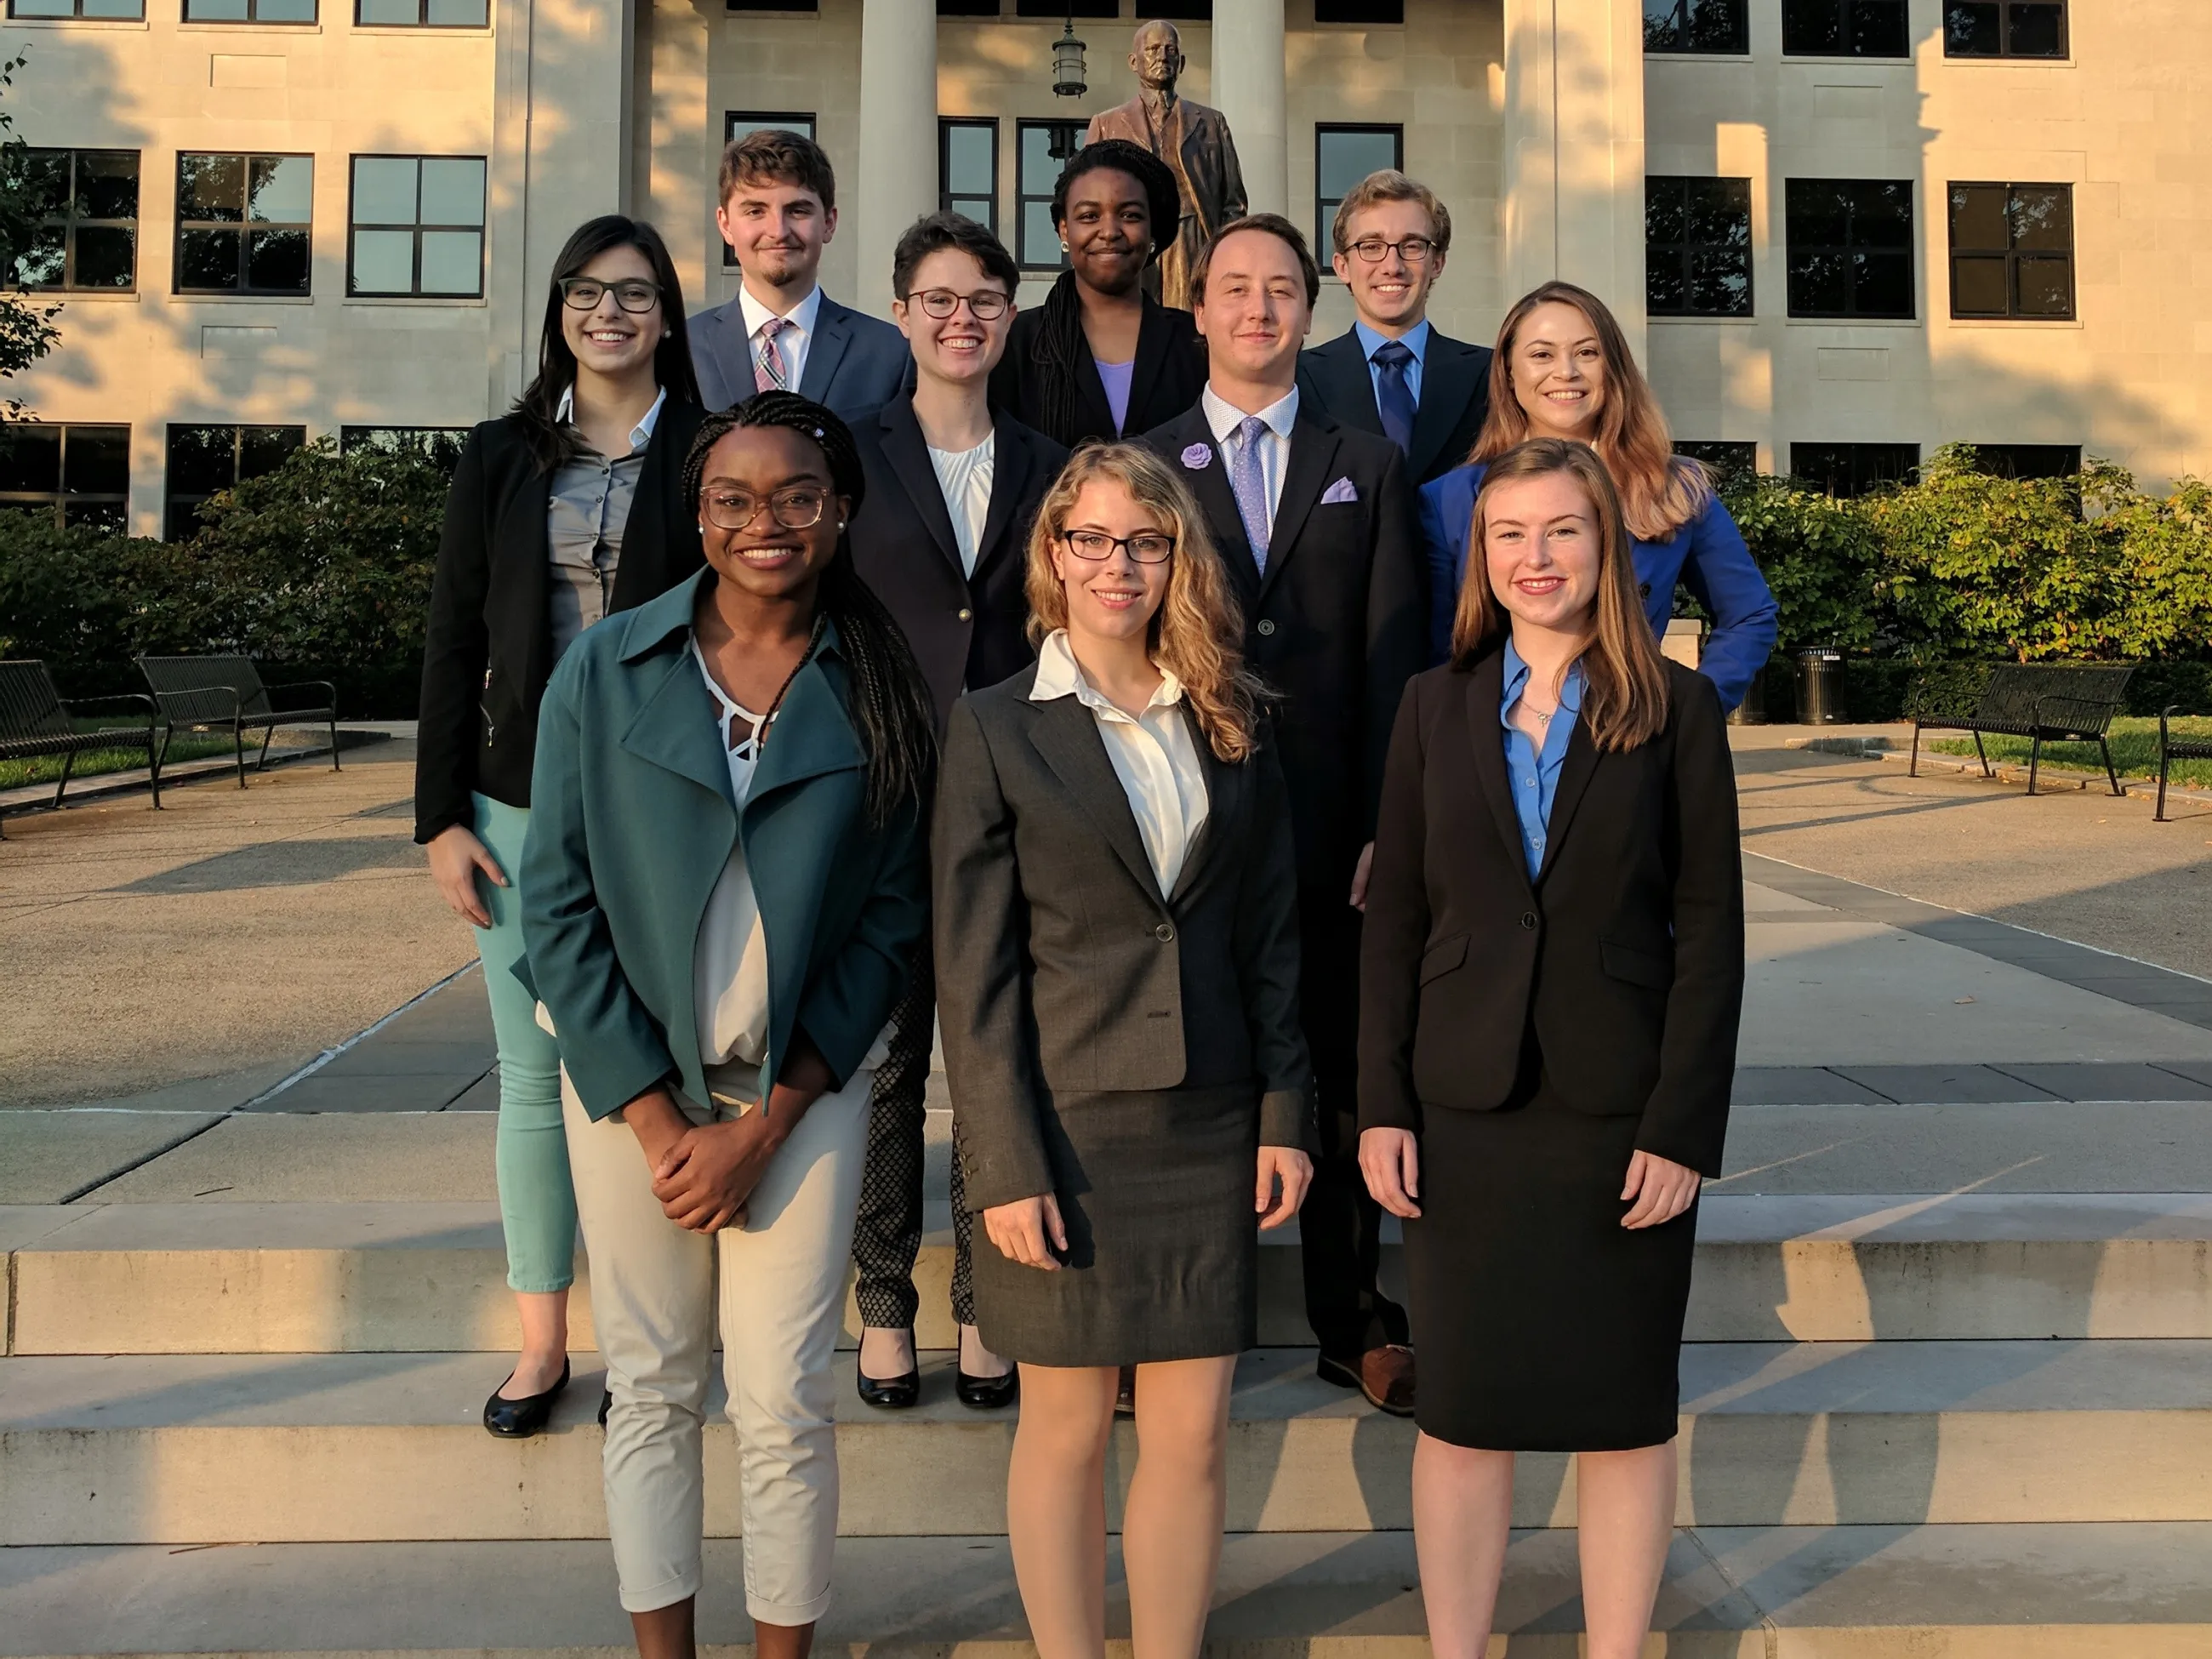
point(519, 576)
point(1210, 484)
point(1577, 767)
point(729, 352)
point(833, 332)
point(1065, 733)
point(1012, 463)
point(675, 727)
point(1153, 330)
point(1448, 381)
point(656, 516)
point(812, 735)
point(1224, 789)
point(1305, 475)
point(1484, 688)
point(907, 452)
point(1342, 385)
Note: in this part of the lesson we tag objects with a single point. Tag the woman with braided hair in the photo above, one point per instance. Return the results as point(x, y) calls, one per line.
point(1101, 358)
point(723, 884)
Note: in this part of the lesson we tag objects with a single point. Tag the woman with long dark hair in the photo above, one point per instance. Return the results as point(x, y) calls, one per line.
point(564, 510)
point(723, 884)
point(1101, 358)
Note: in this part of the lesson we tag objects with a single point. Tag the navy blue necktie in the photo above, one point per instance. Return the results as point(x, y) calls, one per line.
point(1393, 399)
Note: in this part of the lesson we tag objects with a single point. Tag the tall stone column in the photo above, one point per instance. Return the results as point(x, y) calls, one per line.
point(898, 137)
point(1573, 186)
point(1249, 89)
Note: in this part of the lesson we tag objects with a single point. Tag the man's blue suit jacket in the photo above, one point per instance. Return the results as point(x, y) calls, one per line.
point(854, 362)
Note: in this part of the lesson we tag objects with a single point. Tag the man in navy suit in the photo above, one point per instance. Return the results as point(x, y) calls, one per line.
point(779, 211)
point(1392, 372)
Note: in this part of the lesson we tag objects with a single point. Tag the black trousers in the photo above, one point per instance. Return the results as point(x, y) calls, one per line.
point(887, 1236)
point(1340, 1226)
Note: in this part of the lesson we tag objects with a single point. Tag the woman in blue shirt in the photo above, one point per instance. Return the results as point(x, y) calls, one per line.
point(1563, 369)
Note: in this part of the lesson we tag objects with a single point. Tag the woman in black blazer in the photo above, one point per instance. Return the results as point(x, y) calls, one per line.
point(566, 509)
point(1550, 980)
point(1101, 358)
point(1117, 973)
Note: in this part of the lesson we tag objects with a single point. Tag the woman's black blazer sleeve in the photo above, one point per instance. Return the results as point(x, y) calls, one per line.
point(1396, 929)
point(455, 654)
point(1266, 953)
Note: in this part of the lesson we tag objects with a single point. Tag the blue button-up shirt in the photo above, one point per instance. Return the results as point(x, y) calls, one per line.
point(1533, 774)
point(1415, 340)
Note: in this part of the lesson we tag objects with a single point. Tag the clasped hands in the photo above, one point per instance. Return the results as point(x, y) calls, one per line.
point(703, 1173)
point(1030, 1231)
point(1658, 1188)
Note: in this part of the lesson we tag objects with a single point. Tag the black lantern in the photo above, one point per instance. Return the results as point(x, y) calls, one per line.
point(1067, 65)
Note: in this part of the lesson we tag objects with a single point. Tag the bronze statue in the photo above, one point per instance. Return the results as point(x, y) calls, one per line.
point(1192, 139)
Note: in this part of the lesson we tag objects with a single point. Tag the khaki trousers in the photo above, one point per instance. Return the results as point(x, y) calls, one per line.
point(781, 1298)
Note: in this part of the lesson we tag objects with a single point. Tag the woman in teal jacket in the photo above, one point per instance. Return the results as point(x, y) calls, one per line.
point(723, 883)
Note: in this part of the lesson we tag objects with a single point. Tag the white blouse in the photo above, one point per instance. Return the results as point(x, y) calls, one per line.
point(963, 477)
point(729, 962)
point(1154, 755)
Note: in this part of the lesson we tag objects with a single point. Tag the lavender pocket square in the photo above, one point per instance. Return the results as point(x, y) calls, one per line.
point(1342, 490)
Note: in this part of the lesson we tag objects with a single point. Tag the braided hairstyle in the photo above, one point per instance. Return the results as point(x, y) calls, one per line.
point(1060, 345)
point(889, 704)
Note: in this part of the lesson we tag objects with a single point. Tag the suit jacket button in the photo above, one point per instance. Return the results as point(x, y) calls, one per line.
point(1163, 932)
point(1266, 628)
point(1528, 920)
point(966, 615)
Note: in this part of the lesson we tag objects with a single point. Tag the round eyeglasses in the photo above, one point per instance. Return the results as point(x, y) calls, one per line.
point(985, 305)
point(798, 506)
point(1413, 249)
point(585, 292)
point(1096, 544)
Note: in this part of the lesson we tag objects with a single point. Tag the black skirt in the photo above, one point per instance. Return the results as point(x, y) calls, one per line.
point(1542, 1323)
point(1162, 1243)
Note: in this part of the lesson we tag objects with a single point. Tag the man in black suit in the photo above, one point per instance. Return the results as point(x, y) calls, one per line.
point(1392, 371)
point(1316, 521)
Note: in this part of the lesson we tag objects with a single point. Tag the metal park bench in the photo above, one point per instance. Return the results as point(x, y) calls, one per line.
point(36, 721)
point(226, 694)
point(2171, 749)
point(2040, 702)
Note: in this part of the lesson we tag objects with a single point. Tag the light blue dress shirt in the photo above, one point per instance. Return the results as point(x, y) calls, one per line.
point(1415, 340)
point(1534, 774)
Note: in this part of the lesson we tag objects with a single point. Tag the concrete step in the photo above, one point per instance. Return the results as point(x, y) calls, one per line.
point(298, 1278)
point(2140, 1590)
point(208, 1449)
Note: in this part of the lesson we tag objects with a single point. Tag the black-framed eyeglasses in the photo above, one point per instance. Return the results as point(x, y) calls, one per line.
point(1413, 249)
point(797, 507)
point(585, 292)
point(1095, 546)
point(985, 305)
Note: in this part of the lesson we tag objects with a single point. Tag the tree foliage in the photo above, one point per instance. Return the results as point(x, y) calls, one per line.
point(26, 325)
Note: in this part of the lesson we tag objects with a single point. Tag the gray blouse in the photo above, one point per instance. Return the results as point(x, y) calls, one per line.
point(587, 509)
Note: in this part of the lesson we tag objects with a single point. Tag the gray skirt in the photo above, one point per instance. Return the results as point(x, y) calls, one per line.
point(1162, 1260)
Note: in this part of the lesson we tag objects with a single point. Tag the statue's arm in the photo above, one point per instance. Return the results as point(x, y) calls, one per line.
point(1233, 204)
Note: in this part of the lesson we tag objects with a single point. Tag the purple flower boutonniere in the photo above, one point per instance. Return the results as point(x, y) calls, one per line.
point(1198, 457)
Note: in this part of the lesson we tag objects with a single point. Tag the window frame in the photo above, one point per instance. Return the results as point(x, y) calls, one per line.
point(251, 20)
point(1025, 198)
point(1683, 11)
point(171, 500)
point(71, 221)
point(77, 13)
point(1862, 481)
point(354, 226)
point(1910, 250)
point(2004, 53)
point(365, 434)
point(61, 498)
point(1323, 232)
point(243, 226)
point(753, 121)
point(1688, 249)
point(422, 19)
point(947, 197)
point(1843, 10)
point(1722, 458)
point(2012, 257)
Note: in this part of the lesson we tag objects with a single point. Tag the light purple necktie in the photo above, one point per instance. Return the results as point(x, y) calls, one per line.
point(1249, 484)
point(769, 374)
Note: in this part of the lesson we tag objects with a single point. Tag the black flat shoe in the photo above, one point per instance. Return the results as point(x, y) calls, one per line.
point(517, 1420)
point(890, 1393)
point(987, 1394)
point(606, 1405)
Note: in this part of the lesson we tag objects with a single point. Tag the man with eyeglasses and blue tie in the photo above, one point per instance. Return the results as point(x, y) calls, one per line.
point(1392, 372)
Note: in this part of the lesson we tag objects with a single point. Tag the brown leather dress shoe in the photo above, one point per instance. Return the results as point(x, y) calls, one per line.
point(1384, 1376)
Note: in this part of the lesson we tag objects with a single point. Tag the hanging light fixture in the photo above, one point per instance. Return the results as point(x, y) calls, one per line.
point(1068, 66)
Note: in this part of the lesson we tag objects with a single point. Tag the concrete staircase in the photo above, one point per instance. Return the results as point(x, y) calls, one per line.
point(1951, 1427)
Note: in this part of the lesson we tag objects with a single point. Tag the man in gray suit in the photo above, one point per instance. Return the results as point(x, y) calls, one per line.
point(780, 331)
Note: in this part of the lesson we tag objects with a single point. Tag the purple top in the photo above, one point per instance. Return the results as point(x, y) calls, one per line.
point(1116, 377)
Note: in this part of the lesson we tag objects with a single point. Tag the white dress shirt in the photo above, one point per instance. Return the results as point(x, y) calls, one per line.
point(792, 342)
point(964, 476)
point(1274, 443)
point(1154, 755)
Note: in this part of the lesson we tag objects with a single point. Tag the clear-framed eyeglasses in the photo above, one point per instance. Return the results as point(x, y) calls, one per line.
point(985, 305)
point(1413, 249)
point(1096, 545)
point(798, 506)
point(585, 292)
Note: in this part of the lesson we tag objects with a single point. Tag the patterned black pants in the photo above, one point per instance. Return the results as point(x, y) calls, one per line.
point(888, 1235)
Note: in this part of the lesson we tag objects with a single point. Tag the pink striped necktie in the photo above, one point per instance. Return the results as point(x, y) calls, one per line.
point(769, 374)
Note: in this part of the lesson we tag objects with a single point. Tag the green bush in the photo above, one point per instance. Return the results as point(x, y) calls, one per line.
point(1820, 556)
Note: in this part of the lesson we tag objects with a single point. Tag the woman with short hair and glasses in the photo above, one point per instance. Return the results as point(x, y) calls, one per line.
point(566, 509)
point(1116, 926)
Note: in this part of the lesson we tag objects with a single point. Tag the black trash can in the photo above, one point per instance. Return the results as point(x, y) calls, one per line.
point(1819, 687)
point(1751, 711)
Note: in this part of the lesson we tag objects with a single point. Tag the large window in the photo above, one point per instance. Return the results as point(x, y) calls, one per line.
point(417, 226)
point(206, 459)
point(87, 201)
point(2004, 28)
point(1697, 247)
point(1038, 170)
point(1726, 459)
point(1850, 248)
point(2012, 250)
point(1343, 155)
point(249, 11)
point(1058, 9)
point(1372, 12)
point(968, 169)
point(423, 14)
point(1845, 29)
point(2028, 461)
point(244, 223)
point(131, 9)
point(1695, 26)
point(739, 124)
point(442, 444)
point(78, 474)
point(1852, 468)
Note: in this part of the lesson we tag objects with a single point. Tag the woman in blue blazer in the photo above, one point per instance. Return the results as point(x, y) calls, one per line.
point(723, 883)
point(1563, 369)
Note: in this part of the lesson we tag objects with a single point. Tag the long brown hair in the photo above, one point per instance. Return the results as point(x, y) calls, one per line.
point(1660, 490)
point(1624, 678)
point(1197, 633)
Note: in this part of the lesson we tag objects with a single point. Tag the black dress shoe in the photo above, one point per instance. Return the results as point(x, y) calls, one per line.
point(517, 1420)
point(891, 1393)
point(1125, 1392)
point(987, 1394)
point(606, 1405)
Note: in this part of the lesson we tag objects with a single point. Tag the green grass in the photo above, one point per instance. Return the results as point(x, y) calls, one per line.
point(46, 769)
point(2135, 750)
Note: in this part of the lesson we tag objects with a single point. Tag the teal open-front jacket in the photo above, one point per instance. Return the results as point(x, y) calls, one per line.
point(631, 824)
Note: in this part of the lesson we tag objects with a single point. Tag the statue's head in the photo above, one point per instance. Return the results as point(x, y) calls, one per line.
point(1157, 55)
